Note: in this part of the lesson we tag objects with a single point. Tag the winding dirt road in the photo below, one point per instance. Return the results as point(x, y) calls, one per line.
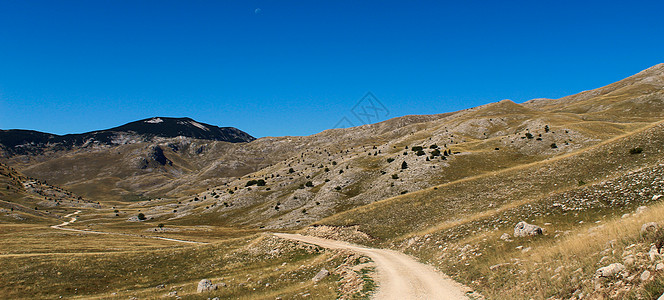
point(399, 276)
point(73, 219)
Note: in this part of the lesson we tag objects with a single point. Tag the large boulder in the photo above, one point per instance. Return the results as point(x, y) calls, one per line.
point(205, 285)
point(524, 229)
point(320, 275)
point(610, 270)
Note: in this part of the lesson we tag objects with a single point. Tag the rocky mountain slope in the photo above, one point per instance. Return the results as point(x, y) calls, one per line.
point(18, 142)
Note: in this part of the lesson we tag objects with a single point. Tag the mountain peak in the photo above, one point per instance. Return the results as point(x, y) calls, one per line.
point(19, 141)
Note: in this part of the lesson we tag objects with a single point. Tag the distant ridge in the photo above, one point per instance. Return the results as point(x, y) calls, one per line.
point(16, 141)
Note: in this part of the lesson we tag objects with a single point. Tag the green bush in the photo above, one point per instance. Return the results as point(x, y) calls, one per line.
point(636, 150)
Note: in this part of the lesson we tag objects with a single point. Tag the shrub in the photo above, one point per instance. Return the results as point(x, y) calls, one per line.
point(636, 150)
point(435, 152)
point(434, 146)
point(389, 160)
point(546, 128)
point(260, 182)
point(554, 146)
point(395, 176)
point(309, 184)
point(290, 171)
point(338, 188)
point(420, 153)
point(327, 169)
point(161, 225)
point(416, 148)
point(528, 135)
point(404, 165)
point(141, 217)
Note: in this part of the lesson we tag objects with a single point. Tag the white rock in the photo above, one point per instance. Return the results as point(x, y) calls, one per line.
point(650, 227)
point(610, 270)
point(205, 285)
point(629, 260)
point(523, 229)
point(659, 267)
point(645, 275)
point(505, 237)
point(656, 197)
point(320, 275)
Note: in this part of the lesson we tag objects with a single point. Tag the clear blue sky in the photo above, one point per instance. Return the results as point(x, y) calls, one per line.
point(276, 68)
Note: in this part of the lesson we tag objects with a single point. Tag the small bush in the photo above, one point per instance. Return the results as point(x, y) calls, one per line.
point(417, 148)
point(290, 171)
point(636, 150)
point(554, 146)
point(420, 153)
point(161, 225)
point(142, 217)
point(395, 176)
point(435, 152)
point(528, 135)
point(404, 165)
point(434, 146)
point(389, 160)
point(309, 184)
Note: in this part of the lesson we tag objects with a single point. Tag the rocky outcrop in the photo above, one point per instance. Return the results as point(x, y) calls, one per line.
point(523, 229)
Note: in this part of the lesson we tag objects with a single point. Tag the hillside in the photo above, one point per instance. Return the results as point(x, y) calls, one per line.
point(448, 189)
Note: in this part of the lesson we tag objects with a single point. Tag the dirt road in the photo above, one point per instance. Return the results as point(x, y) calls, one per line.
point(73, 219)
point(399, 276)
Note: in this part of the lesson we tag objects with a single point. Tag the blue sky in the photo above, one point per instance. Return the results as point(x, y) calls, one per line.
point(276, 68)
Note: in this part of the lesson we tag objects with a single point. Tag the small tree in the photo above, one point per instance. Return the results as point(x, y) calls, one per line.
point(404, 165)
point(141, 217)
point(290, 171)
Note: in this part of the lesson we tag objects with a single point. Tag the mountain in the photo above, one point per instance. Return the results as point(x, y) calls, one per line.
point(17, 142)
point(448, 189)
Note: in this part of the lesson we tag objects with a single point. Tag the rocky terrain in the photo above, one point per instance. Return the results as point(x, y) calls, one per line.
point(551, 192)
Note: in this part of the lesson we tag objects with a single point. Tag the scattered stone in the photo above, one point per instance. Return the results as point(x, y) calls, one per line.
point(161, 286)
point(645, 275)
point(625, 216)
point(659, 267)
point(629, 260)
point(205, 285)
point(640, 209)
point(498, 266)
point(649, 228)
point(505, 237)
point(320, 275)
point(656, 197)
point(559, 269)
point(523, 229)
point(172, 294)
point(610, 270)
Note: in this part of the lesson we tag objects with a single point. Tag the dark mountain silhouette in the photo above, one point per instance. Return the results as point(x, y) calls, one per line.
point(17, 142)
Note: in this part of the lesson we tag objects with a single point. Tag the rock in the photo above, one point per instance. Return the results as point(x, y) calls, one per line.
point(656, 197)
point(320, 275)
point(645, 275)
point(649, 228)
point(659, 267)
point(523, 229)
point(640, 209)
point(205, 285)
point(653, 253)
point(161, 286)
point(625, 216)
point(172, 294)
point(629, 260)
point(559, 269)
point(505, 237)
point(610, 270)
